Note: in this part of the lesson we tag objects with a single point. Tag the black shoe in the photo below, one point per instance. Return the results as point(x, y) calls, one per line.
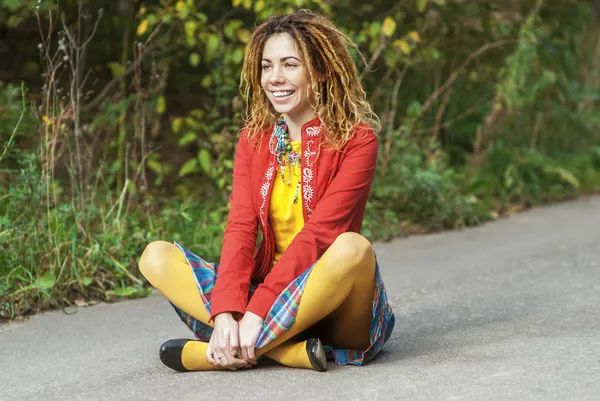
point(316, 354)
point(170, 354)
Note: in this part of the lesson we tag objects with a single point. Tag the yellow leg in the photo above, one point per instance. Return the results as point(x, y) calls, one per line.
point(166, 268)
point(291, 353)
point(340, 287)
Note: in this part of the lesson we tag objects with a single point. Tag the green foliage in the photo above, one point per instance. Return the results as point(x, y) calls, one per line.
point(56, 254)
point(58, 251)
point(14, 122)
point(487, 108)
point(14, 12)
point(525, 176)
point(419, 191)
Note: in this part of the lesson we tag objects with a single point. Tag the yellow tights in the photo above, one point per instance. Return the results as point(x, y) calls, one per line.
point(340, 288)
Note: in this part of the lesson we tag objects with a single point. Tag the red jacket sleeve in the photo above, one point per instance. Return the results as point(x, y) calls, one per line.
point(230, 293)
point(331, 217)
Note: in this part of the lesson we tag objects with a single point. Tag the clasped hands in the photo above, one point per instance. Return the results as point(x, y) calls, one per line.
point(231, 344)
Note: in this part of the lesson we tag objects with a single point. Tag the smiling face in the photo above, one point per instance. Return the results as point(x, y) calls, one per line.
point(284, 78)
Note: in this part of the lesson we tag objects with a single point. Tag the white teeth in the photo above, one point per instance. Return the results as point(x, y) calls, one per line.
point(282, 93)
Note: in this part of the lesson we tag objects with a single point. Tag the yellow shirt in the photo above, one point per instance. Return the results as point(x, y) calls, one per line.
point(286, 216)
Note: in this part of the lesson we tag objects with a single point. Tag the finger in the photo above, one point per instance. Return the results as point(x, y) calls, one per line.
point(251, 355)
point(234, 344)
point(228, 360)
point(214, 357)
point(211, 351)
point(221, 359)
point(244, 353)
point(219, 352)
point(247, 358)
point(231, 365)
point(209, 355)
point(240, 363)
point(213, 346)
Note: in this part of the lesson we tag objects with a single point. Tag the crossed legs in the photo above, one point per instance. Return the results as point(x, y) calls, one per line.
point(339, 289)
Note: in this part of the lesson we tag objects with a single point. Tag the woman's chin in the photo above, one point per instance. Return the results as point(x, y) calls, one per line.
point(282, 109)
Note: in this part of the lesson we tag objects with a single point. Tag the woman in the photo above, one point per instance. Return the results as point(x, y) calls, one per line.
point(302, 173)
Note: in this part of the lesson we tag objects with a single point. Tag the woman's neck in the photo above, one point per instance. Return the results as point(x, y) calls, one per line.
point(296, 122)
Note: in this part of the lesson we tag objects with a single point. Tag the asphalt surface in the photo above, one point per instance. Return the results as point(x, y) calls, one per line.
point(506, 311)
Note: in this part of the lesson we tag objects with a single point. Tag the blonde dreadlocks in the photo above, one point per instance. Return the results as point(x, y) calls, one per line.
point(340, 100)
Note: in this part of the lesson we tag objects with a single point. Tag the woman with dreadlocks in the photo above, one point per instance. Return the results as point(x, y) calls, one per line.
point(302, 173)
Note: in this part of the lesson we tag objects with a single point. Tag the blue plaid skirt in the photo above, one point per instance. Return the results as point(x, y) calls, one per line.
point(283, 312)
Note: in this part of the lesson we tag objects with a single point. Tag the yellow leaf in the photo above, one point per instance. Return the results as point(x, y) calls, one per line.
point(116, 69)
point(142, 27)
point(565, 175)
point(190, 28)
point(194, 59)
point(236, 3)
point(183, 9)
point(259, 6)
point(414, 36)
point(176, 124)
point(402, 45)
point(421, 4)
point(161, 105)
point(243, 35)
point(389, 27)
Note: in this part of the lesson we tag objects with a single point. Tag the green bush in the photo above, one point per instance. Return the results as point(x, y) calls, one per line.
point(486, 108)
point(56, 254)
point(61, 248)
point(419, 189)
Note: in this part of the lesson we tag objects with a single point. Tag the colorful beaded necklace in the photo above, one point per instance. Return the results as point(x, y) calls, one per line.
point(281, 147)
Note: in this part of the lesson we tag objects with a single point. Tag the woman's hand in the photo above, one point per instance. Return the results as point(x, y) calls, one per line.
point(249, 328)
point(224, 345)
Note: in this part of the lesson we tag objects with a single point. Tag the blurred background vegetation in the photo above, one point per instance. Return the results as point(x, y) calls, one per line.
point(118, 122)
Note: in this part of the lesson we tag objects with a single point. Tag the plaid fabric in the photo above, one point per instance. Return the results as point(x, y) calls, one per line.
point(283, 312)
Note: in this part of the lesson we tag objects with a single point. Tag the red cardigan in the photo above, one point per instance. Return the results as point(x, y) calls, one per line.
point(335, 189)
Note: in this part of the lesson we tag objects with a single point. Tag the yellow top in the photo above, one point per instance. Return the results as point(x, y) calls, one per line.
point(286, 216)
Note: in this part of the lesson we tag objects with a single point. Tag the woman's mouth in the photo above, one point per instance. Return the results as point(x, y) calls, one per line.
point(281, 95)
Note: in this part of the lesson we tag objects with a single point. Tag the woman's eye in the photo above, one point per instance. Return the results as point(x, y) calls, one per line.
point(265, 67)
point(291, 65)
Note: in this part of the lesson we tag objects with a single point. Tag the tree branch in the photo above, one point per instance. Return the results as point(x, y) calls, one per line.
point(456, 73)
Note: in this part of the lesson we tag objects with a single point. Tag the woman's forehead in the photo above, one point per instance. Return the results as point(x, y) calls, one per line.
point(280, 46)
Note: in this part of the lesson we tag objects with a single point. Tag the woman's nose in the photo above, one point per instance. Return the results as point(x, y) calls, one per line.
point(277, 77)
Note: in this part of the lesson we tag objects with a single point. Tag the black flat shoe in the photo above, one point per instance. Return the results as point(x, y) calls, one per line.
point(316, 354)
point(170, 354)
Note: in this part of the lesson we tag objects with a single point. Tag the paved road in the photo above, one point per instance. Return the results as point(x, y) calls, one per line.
point(506, 311)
